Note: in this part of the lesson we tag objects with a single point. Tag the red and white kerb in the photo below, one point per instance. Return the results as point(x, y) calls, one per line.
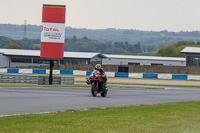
point(53, 31)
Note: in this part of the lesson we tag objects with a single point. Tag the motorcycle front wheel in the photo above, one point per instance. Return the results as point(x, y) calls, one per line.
point(104, 93)
point(94, 90)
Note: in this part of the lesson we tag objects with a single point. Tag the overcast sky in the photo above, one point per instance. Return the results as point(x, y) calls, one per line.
point(156, 15)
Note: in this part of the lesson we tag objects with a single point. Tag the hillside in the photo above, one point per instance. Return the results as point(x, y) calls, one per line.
point(106, 35)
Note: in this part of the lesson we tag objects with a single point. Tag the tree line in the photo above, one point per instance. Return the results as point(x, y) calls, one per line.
point(85, 44)
point(80, 45)
point(110, 35)
point(174, 50)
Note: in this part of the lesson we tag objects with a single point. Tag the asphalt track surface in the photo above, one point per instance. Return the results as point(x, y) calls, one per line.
point(25, 100)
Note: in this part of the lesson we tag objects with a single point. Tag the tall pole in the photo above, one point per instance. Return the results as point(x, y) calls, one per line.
point(51, 72)
point(24, 29)
point(52, 34)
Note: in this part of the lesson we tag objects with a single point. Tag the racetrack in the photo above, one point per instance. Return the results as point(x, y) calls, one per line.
point(22, 100)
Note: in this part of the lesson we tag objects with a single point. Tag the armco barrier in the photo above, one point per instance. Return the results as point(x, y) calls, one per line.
point(154, 76)
point(179, 76)
point(13, 70)
point(193, 77)
point(69, 72)
point(109, 74)
point(26, 71)
point(164, 76)
point(78, 72)
point(121, 74)
point(3, 70)
point(88, 73)
point(135, 75)
point(54, 71)
point(38, 71)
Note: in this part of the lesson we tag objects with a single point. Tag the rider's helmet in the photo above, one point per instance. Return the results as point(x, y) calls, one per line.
point(98, 66)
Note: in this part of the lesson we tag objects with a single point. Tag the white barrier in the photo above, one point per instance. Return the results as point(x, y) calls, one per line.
point(193, 77)
point(135, 75)
point(54, 71)
point(79, 72)
point(164, 76)
point(110, 74)
point(25, 71)
point(3, 70)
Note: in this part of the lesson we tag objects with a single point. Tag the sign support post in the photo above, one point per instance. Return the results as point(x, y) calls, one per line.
point(51, 72)
point(53, 34)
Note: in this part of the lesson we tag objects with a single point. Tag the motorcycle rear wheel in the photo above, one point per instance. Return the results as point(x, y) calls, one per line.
point(94, 90)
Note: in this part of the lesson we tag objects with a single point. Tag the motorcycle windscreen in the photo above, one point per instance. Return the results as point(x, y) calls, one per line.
point(95, 72)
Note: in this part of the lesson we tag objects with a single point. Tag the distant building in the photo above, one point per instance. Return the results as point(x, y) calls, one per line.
point(142, 60)
point(16, 57)
point(192, 56)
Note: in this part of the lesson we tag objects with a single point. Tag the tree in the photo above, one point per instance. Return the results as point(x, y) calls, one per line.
point(160, 52)
point(74, 38)
point(151, 48)
point(4, 41)
point(174, 50)
point(13, 46)
point(178, 51)
point(144, 48)
point(127, 53)
point(167, 51)
point(85, 38)
point(26, 43)
point(137, 48)
point(118, 44)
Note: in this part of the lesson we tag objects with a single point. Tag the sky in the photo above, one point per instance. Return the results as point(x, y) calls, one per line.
point(148, 15)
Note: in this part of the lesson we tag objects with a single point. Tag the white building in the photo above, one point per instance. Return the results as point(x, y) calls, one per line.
point(192, 56)
point(16, 57)
point(142, 60)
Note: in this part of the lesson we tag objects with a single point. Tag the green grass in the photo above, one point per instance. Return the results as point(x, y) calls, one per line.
point(148, 84)
point(159, 118)
point(156, 84)
point(76, 85)
point(34, 85)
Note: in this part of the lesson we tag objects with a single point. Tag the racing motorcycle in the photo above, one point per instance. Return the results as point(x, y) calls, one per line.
point(97, 83)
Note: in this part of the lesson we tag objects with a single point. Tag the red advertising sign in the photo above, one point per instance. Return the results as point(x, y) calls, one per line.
point(53, 31)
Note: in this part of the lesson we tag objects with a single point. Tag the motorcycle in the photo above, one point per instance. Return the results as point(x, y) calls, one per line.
point(97, 83)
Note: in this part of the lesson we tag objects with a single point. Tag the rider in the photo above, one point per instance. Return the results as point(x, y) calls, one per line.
point(100, 69)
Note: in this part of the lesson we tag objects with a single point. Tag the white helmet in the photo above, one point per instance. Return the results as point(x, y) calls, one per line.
point(98, 66)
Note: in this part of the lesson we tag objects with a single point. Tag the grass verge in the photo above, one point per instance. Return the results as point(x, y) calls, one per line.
point(76, 85)
point(157, 84)
point(165, 118)
point(198, 86)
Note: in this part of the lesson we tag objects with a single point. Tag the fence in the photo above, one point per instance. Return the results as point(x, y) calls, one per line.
point(31, 79)
point(67, 80)
point(23, 79)
point(44, 80)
